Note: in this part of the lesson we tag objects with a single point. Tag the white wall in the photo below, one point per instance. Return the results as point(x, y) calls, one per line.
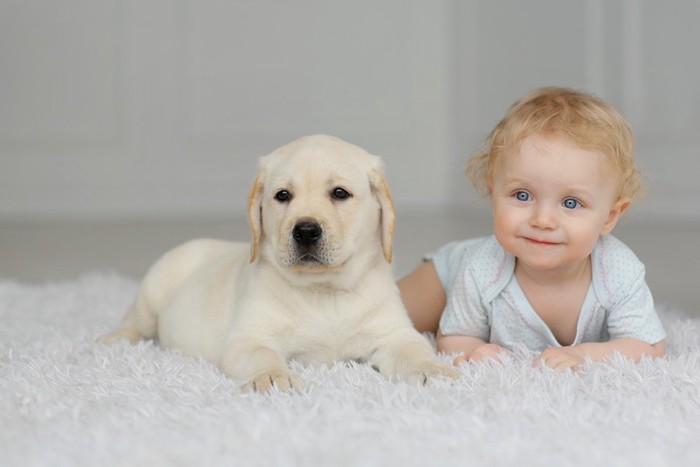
point(158, 108)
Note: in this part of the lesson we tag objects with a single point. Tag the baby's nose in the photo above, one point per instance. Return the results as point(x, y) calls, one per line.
point(544, 217)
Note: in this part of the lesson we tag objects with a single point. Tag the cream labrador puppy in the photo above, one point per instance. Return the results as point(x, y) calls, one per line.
point(315, 285)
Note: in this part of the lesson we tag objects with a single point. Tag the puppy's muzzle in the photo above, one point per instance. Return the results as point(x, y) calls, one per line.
point(307, 234)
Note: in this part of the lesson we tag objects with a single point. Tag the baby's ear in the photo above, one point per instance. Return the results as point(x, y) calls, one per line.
point(616, 212)
point(489, 183)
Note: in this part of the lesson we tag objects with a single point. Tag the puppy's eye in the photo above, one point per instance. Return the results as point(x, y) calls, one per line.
point(340, 193)
point(283, 196)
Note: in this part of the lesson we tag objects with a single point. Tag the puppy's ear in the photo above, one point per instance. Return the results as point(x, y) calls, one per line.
point(255, 214)
point(380, 189)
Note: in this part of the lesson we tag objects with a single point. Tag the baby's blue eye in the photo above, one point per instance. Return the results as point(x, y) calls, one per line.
point(522, 196)
point(570, 203)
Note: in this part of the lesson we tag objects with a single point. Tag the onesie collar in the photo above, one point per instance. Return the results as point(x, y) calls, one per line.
point(492, 267)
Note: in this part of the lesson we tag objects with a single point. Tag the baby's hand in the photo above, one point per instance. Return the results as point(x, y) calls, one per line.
point(560, 358)
point(479, 353)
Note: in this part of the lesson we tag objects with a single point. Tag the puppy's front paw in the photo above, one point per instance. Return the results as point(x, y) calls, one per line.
point(282, 380)
point(423, 372)
point(122, 334)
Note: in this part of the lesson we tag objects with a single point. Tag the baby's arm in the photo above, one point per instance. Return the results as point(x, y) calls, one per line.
point(423, 296)
point(631, 310)
point(469, 348)
point(572, 357)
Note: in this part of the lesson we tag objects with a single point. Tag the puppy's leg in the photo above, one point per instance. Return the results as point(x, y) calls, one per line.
point(259, 366)
point(139, 323)
point(407, 355)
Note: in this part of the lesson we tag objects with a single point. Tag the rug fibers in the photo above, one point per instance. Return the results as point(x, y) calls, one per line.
point(67, 401)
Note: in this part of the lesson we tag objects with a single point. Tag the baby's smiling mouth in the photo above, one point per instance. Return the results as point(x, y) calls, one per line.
point(540, 242)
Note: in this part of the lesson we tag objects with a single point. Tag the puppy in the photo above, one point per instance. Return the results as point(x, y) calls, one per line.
point(315, 285)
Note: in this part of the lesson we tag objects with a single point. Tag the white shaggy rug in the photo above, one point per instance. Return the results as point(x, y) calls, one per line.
point(68, 401)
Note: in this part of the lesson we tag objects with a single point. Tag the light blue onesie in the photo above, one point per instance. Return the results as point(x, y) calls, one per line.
point(484, 298)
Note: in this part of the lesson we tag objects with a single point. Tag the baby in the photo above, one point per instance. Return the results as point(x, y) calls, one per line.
point(559, 169)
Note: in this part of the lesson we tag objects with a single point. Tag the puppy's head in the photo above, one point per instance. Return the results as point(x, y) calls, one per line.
point(319, 205)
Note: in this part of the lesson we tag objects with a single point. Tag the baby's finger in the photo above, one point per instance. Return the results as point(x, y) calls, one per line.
point(568, 364)
point(562, 366)
point(553, 360)
point(545, 358)
point(459, 359)
point(475, 357)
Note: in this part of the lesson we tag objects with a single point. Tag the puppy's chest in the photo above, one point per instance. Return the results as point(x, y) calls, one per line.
point(324, 334)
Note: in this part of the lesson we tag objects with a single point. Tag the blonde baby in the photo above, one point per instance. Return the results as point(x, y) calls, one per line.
point(559, 171)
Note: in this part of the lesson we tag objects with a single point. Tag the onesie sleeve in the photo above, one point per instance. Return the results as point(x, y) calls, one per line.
point(464, 313)
point(446, 262)
point(623, 291)
point(634, 315)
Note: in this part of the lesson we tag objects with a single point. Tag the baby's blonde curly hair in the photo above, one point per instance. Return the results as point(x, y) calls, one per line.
point(584, 120)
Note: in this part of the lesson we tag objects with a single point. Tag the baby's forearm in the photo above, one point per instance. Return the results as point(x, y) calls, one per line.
point(632, 348)
point(457, 344)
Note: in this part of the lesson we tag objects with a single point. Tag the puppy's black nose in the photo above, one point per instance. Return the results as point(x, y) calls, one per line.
point(307, 233)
